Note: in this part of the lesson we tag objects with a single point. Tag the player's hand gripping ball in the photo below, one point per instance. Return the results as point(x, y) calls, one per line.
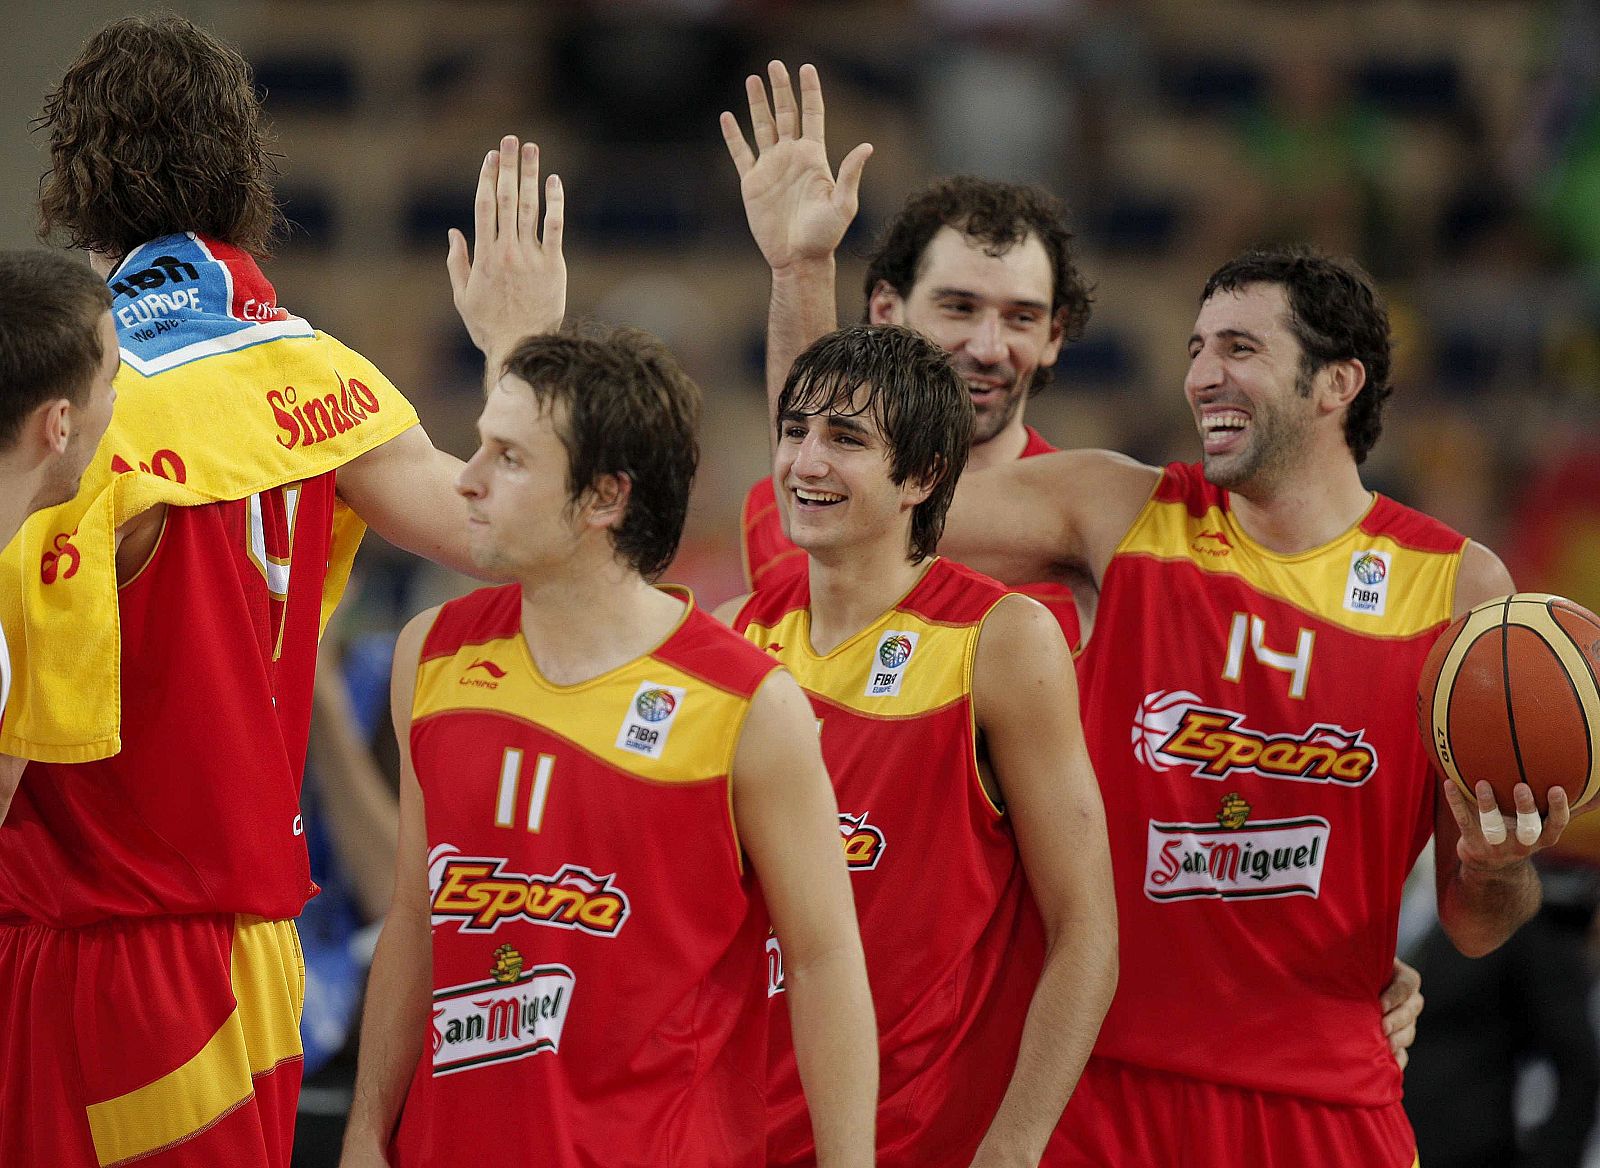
point(1509, 695)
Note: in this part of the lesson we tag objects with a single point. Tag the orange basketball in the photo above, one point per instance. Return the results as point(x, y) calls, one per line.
point(1509, 694)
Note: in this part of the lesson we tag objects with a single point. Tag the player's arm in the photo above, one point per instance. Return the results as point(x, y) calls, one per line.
point(513, 285)
point(1026, 702)
point(728, 610)
point(797, 210)
point(788, 823)
point(395, 1019)
point(1034, 519)
point(1487, 890)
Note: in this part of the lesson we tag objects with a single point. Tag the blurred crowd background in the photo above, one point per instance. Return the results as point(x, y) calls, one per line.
point(1453, 147)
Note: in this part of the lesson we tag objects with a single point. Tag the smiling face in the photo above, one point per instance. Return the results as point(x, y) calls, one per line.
point(1251, 399)
point(834, 474)
point(990, 313)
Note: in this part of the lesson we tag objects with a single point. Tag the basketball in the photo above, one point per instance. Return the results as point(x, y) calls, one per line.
point(1509, 695)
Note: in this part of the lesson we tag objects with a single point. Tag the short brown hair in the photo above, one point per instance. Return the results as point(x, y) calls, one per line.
point(50, 309)
point(627, 409)
point(156, 129)
point(913, 393)
point(1335, 314)
point(999, 215)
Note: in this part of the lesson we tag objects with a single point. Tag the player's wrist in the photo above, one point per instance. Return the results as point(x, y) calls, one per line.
point(804, 267)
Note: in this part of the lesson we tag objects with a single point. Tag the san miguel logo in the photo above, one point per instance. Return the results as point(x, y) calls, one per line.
point(480, 895)
point(514, 1014)
point(1234, 859)
point(307, 420)
point(863, 843)
point(1173, 729)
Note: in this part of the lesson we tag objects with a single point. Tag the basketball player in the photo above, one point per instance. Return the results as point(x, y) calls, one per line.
point(572, 745)
point(153, 858)
point(949, 726)
point(58, 356)
point(978, 294)
point(982, 268)
point(1248, 700)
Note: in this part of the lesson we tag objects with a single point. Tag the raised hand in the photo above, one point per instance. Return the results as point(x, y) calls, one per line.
point(515, 283)
point(798, 211)
point(1491, 839)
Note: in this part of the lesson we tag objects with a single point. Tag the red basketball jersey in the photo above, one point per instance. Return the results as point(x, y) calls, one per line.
point(599, 974)
point(769, 557)
point(1250, 717)
point(953, 942)
point(200, 812)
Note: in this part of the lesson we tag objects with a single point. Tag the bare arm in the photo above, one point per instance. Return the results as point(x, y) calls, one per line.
point(1026, 702)
point(1041, 518)
point(362, 814)
point(729, 609)
point(798, 212)
point(1486, 891)
point(788, 822)
point(395, 1018)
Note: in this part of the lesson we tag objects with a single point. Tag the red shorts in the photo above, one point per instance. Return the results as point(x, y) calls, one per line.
point(173, 1041)
point(1123, 1116)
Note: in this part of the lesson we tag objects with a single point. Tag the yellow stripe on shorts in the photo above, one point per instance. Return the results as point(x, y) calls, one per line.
point(268, 975)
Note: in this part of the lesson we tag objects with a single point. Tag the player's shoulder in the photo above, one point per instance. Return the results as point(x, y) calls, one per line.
point(1482, 576)
point(952, 593)
point(1413, 529)
point(484, 614)
point(709, 651)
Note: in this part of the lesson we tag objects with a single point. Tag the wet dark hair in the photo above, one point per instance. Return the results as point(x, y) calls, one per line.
point(626, 409)
point(919, 402)
point(50, 310)
point(1335, 314)
point(156, 129)
point(1000, 216)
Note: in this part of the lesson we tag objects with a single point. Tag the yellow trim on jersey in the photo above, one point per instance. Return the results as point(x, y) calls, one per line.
point(1420, 585)
point(938, 673)
point(702, 737)
point(262, 1031)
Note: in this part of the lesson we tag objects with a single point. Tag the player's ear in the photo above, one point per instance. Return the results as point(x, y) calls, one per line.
point(1338, 383)
point(885, 305)
point(607, 500)
point(50, 425)
point(917, 490)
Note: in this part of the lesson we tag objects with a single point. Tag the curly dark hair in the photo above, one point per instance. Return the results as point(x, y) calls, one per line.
point(50, 347)
point(913, 393)
point(1335, 314)
point(156, 129)
point(1000, 215)
point(626, 409)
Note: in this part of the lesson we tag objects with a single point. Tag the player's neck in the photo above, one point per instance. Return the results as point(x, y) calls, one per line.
point(1306, 511)
point(24, 481)
point(854, 587)
point(1002, 448)
point(580, 625)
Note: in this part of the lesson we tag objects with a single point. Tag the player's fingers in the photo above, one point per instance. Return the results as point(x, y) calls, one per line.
point(1402, 987)
point(457, 263)
point(1402, 1057)
point(847, 190)
point(1457, 802)
point(483, 202)
point(1490, 820)
point(761, 125)
point(738, 149)
point(1556, 820)
point(783, 106)
point(505, 191)
point(528, 194)
point(555, 208)
point(811, 112)
point(1529, 825)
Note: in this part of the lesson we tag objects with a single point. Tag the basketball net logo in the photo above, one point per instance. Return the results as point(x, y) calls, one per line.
point(1177, 729)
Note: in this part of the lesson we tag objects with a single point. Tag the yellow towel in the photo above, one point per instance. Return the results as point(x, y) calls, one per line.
point(219, 426)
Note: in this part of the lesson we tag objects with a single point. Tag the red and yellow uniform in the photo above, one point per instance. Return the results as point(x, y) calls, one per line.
point(769, 557)
point(953, 942)
point(150, 871)
point(1250, 718)
point(599, 974)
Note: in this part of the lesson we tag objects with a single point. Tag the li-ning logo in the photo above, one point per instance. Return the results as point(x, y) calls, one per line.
point(1212, 543)
point(1174, 729)
point(863, 843)
point(319, 418)
point(480, 895)
point(494, 671)
point(511, 1016)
